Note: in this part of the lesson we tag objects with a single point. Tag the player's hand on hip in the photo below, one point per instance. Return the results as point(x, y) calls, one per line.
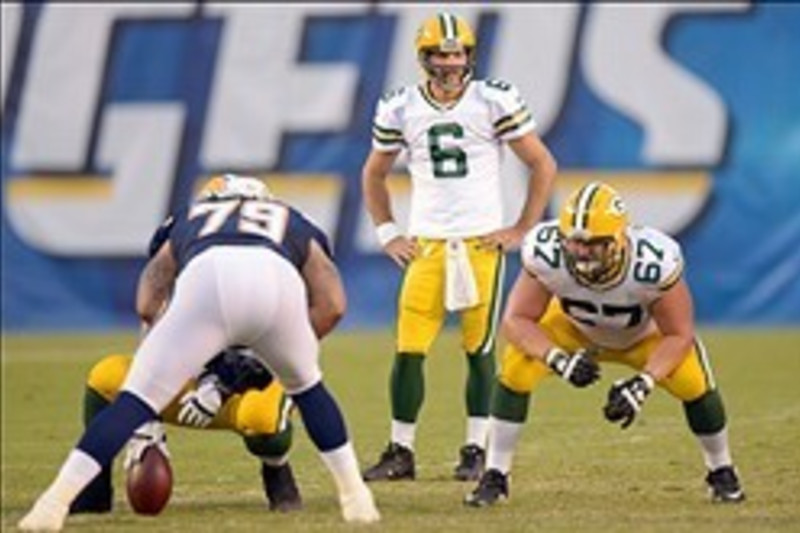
point(578, 368)
point(625, 398)
point(200, 406)
point(506, 239)
point(402, 250)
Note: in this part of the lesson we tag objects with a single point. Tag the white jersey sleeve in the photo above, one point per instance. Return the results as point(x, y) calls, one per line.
point(387, 127)
point(658, 261)
point(541, 253)
point(510, 115)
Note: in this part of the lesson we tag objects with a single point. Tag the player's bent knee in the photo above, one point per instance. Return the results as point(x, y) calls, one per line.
point(521, 373)
point(261, 412)
point(107, 376)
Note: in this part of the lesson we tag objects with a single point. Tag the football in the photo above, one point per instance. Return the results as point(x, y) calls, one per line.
point(149, 482)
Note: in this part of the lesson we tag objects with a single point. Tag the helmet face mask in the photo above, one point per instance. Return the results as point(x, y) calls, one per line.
point(592, 226)
point(446, 51)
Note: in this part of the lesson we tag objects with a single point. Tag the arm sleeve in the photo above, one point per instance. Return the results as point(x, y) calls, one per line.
point(511, 117)
point(387, 126)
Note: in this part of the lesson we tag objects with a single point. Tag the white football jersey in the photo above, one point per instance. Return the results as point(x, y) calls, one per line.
point(454, 153)
point(619, 316)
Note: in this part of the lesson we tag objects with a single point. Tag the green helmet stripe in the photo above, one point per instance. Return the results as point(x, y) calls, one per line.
point(448, 25)
point(580, 218)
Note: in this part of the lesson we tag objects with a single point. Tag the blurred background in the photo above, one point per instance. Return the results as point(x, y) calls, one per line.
point(111, 115)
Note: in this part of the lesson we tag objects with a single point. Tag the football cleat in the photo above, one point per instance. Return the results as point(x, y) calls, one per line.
point(470, 467)
point(396, 462)
point(97, 497)
point(493, 487)
point(280, 487)
point(723, 485)
point(47, 514)
point(359, 507)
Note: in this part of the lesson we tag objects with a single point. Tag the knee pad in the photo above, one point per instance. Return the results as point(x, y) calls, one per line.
point(106, 376)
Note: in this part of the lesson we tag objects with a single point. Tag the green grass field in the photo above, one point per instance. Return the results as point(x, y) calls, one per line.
point(573, 471)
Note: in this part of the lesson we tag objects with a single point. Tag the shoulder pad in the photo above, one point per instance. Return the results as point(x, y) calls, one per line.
point(541, 249)
point(658, 259)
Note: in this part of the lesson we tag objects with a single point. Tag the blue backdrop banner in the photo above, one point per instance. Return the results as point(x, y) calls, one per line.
point(112, 114)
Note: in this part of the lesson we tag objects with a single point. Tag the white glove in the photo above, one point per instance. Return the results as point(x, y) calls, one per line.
point(148, 434)
point(200, 406)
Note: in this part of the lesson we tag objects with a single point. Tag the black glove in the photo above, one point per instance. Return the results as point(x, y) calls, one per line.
point(578, 368)
point(626, 397)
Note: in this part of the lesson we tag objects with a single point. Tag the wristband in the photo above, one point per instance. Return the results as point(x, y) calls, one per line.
point(387, 232)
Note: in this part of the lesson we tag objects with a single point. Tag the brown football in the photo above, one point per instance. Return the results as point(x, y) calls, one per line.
point(149, 483)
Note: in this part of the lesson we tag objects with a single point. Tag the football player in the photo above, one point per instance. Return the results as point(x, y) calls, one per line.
point(597, 289)
point(235, 392)
point(238, 268)
point(453, 128)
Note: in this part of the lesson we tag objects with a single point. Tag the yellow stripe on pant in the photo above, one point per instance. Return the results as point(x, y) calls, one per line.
point(421, 311)
point(689, 381)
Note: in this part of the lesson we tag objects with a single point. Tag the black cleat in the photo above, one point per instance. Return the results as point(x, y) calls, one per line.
point(96, 497)
point(493, 487)
point(723, 485)
point(470, 467)
point(280, 488)
point(396, 462)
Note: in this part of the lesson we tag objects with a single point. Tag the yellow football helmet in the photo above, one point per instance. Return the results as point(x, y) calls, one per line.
point(593, 224)
point(446, 33)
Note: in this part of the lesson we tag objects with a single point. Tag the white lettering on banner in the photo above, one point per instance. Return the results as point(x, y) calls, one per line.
point(534, 48)
point(684, 120)
point(141, 142)
point(261, 91)
point(54, 126)
point(11, 22)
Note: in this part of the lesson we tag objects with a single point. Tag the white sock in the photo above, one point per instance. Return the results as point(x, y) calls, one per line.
point(477, 430)
point(403, 433)
point(77, 471)
point(715, 449)
point(343, 466)
point(503, 438)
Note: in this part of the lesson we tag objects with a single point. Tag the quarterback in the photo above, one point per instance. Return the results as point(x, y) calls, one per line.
point(235, 392)
point(453, 129)
point(595, 288)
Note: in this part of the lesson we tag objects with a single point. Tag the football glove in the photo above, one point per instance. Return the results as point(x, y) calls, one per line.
point(579, 368)
point(200, 406)
point(625, 398)
point(146, 435)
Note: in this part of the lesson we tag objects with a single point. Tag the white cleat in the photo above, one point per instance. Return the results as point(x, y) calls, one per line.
point(47, 514)
point(359, 507)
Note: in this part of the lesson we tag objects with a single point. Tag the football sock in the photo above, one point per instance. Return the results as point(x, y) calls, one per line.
point(403, 433)
point(480, 377)
point(407, 386)
point(509, 405)
point(76, 472)
point(503, 438)
point(706, 415)
point(272, 448)
point(343, 466)
point(322, 418)
point(111, 429)
point(477, 429)
point(716, 452)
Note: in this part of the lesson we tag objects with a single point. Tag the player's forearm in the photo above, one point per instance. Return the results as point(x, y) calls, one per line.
point(376, 198)
point(324, 319)
point(540, 185)
point(526, 335)
point(669, 354)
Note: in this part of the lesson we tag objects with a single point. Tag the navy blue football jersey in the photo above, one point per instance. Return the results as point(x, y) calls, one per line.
point(239, 221)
